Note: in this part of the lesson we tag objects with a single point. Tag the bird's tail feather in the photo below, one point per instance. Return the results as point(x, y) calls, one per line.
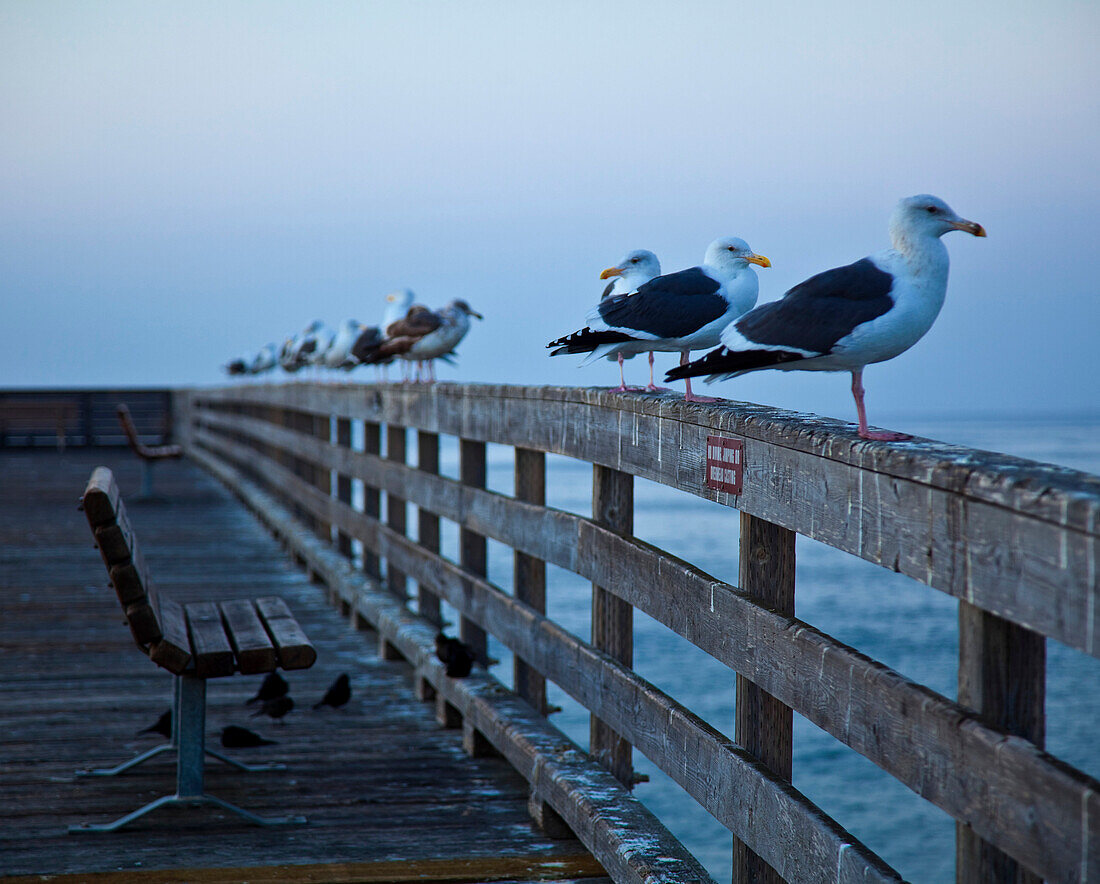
point(586, 340)
point(723, 362)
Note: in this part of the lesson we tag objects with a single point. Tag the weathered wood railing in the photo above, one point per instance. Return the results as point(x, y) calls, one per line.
point(1016, 542)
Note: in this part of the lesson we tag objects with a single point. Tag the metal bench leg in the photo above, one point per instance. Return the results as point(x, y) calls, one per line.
point(126, 765)
point(240, 765)
point(146, 492)
point(188, 732)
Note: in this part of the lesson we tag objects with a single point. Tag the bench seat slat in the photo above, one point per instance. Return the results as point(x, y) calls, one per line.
point(210, 646)
point(173, 651)
point(250, 641)
point(291, 645)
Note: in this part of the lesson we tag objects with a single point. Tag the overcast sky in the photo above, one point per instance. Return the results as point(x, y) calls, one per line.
point(182, 182)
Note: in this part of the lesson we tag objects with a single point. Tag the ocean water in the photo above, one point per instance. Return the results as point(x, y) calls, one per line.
point(893, 619)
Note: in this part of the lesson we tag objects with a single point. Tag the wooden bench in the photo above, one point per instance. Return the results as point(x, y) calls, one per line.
point(30, 417)
point(149, 454)
point(194, 642)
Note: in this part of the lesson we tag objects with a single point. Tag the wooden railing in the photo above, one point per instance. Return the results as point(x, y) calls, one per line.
point(50, 416)
point(1016, 542)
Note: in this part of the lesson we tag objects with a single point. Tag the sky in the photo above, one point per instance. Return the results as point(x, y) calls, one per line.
point(182, 183)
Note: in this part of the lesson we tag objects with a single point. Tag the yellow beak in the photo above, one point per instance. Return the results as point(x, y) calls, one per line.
point(611, 271)
point(759, 259)
point(970, 227)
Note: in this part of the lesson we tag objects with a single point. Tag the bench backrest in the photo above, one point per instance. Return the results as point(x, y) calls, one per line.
point(208, 639)
point(146, 452)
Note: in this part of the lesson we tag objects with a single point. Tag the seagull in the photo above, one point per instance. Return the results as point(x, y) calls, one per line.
point(681, 311)
point(338, 353)
point(265, 360)
point(397, 306)
point(338, 694)
point(637, 267)
point(424, 335)
point(238, 366)
point(849, 317)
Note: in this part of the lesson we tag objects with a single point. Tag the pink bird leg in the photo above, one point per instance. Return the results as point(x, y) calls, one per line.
point(688, 395)
point(864, 433)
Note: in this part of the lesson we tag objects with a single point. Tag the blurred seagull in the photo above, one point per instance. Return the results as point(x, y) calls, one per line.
point(338, 353)
point(681, 311)
point(457, 656)
point(849, 317)
point(425, 335)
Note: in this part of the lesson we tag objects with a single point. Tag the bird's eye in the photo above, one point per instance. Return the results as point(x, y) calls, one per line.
point(732, 248)
point(633, 260)
point(931, 210)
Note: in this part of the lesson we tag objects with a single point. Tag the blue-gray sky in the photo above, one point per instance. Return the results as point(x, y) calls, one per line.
point(183, 182)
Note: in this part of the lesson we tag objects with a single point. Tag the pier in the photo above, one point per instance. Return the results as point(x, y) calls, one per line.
point(302, 490)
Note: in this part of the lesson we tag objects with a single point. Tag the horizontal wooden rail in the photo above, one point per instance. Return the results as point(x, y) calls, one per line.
point(1017, 539)
point(625, 837)
point(791, 833)
point(1008, 790)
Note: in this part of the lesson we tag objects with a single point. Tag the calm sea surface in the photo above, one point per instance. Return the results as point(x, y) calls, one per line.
point(895, 620)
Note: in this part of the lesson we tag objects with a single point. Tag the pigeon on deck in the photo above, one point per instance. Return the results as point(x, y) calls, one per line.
point(275, 708)
point(273, 686)
point(457, 656)
point(338, 693)
point(162, 727)
point(234, 737)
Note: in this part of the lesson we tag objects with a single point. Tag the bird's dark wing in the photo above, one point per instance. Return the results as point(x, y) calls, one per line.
point(817, 313)
point(417, 323)
point(671, 306)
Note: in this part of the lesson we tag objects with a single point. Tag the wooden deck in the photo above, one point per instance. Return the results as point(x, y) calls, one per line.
point(390, 795)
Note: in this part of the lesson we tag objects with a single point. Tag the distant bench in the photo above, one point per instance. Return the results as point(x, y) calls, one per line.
point(149, 454)
point(194, 642)
point(30, 417)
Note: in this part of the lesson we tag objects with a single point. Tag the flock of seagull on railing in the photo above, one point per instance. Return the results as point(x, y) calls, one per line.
point(843, 319)
point(409, 332)
point(839, 320)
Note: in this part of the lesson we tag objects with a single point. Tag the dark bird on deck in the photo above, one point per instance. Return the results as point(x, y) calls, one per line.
point(274, 686)
point(457, 656)
point(234, 737)
point(338, 694)
point(162, 727)
point(275, 708)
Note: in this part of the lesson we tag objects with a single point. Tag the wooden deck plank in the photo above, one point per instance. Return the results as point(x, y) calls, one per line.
point(378, 779)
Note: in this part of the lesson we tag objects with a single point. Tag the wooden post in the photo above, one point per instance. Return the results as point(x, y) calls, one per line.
point(427, 459)
point(343, 484)
point(763, 725)
point(612, 618)
point(1002, 676)
point(372, 498)
point(473, 550)
point(529, 573)
point(395, 509)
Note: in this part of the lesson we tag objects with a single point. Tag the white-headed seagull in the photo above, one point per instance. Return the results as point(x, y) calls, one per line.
point(636, 268)
point(680, 311)
point(849, 317)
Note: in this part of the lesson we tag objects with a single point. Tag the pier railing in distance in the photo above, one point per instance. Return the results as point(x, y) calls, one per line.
point(1017, 543)
point(51, 416)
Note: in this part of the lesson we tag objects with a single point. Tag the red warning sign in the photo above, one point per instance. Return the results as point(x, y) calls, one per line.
point(725, 464)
